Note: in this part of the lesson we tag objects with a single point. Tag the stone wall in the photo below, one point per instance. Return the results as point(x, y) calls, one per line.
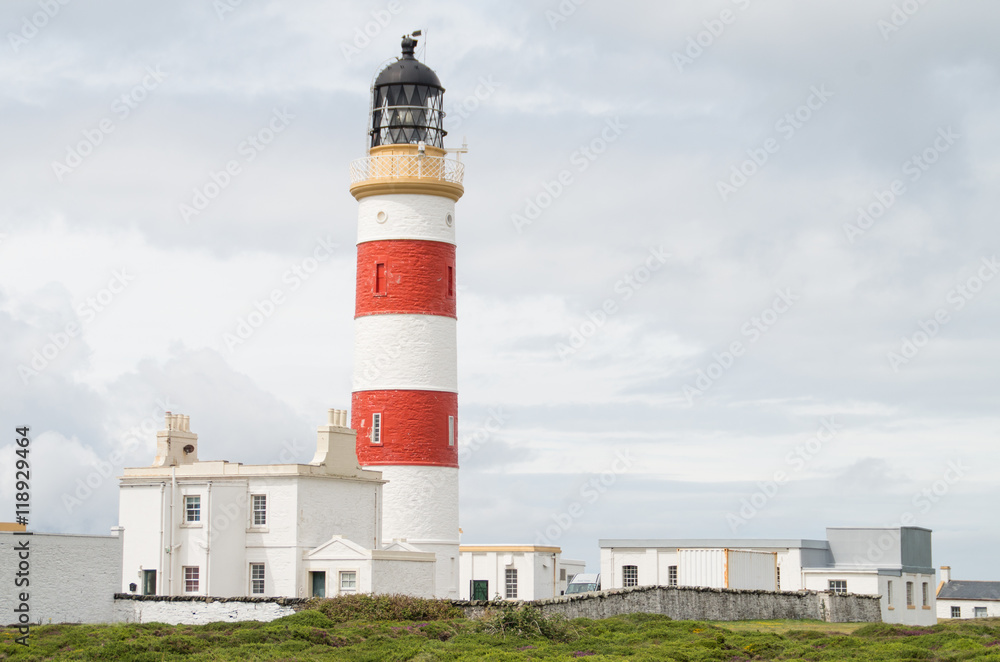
point(709, 604)
point(680, 603)
point(198, 610)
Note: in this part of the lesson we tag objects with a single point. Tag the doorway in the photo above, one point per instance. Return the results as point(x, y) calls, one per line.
point(318, 581)
point(149, 582)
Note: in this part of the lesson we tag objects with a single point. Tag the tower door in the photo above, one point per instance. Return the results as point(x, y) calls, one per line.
point(479, 589)
point(318, 584)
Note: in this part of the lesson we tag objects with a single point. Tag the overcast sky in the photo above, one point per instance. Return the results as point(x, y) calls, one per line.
point(726, 268)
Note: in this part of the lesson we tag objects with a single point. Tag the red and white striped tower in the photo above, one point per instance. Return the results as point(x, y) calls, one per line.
point(405, 401)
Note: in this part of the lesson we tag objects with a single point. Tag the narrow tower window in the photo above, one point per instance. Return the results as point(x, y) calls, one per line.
point(451, 430)
point(376, 428)
point(380, 278)
point(451, 281)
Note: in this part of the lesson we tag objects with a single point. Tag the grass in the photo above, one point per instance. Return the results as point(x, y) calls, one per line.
point(330, 632)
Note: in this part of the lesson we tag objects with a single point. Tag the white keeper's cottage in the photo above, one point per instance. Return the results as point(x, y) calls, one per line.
point(227, 529)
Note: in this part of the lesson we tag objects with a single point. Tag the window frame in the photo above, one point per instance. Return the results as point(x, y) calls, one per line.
point(838, 586)
point(671, 575)
point(381, 285)
point(190, 499)
point(510, 583)
point(191, 573)
point(342, 575)
point(376, 431)
point(451, 431)
point(630, 576)
point(909, 596)
point(956, 611)
point(925, 595)
point(980, 612)
point(888, 593)
point(254, 511)
point(262, 579)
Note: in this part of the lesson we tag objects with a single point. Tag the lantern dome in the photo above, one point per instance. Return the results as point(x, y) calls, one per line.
point(407, 100)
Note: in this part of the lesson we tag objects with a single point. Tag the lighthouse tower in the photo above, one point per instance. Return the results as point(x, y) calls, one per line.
point(405, 400)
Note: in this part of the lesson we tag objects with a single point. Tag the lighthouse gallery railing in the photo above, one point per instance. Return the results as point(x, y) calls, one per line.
point(395, 166)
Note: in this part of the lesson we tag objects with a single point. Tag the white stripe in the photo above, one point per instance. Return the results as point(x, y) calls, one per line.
point(407, 216)
point(421, 505)
point(415, 352)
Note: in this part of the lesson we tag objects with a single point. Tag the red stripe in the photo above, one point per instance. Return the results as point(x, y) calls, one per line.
point(416, 278)
point(414, 427)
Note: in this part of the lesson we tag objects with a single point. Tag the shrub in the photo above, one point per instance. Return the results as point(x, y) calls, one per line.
point(307, 617)
point(360, 607)
point(503, 618)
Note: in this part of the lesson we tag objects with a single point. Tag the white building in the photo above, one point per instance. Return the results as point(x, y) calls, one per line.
point(69, 578)
point(514, 572)
point(894, 563)
point(227, 529)
point(966, 599)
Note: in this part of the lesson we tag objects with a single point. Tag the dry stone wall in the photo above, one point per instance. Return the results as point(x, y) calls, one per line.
point(709, 604)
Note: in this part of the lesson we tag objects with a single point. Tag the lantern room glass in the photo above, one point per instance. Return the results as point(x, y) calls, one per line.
point(408, 114)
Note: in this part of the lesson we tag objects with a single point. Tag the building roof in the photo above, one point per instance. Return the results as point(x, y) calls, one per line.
point(407, 70)
point(544, 549)
point(714, 543)
point(969, 590)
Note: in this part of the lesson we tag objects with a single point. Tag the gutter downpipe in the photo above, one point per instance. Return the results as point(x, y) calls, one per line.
point(159, 580)
point(170, 550)
point(555, 587)
point(208, 538)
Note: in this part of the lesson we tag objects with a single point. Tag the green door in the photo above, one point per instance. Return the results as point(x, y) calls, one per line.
point(149, 582)
point(318, 584)
point(480, 589)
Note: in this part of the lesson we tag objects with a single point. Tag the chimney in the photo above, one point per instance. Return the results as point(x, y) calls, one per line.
point(175, 443)
point(336, 446)
point(945, 574)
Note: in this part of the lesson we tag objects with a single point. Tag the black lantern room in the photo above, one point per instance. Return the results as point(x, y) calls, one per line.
point(406, 103)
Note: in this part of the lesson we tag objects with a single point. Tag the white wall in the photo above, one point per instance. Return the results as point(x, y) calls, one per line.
point(405, 577)
point(195, 612)
point(967, 608)
point(140, 513)
point(546, 575)
point(72, 578)
point(653, 566)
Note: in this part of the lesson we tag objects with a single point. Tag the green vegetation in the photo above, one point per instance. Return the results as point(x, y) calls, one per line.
point(379, 629)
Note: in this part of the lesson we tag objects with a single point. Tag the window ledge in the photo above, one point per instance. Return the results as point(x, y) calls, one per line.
point(926, 607)
point(190, 525)
point(257, 529)
point(891, 608)
point(911, 606)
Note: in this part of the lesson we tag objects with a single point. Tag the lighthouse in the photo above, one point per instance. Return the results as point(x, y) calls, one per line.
point(405, 383)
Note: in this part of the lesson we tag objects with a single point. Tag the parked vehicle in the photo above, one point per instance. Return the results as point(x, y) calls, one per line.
point(584, 583)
